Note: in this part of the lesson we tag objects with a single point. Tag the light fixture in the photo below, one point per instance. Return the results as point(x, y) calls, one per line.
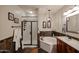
point(76, 8)
point(49, 18)
point(30, 12)
point(68, 12)
point(73, 11)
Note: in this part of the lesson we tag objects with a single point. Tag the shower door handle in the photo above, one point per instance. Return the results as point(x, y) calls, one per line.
point(24, 29)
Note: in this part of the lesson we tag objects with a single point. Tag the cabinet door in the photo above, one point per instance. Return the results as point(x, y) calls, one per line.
point(63, 47)
point(59, 46)
point(69, 49)
point(8, 44)
point(2, 45)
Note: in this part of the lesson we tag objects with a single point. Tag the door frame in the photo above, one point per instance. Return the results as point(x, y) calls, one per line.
point(31, 32)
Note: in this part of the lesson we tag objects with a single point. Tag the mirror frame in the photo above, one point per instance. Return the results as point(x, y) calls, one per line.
point(44, 24)
point(67, 27)
point(49, 24)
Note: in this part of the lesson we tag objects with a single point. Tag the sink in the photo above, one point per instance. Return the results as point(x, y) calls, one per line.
point(63, 37)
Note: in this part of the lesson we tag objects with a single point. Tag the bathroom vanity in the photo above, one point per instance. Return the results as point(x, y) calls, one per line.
point(66, 45)
point(66, 42)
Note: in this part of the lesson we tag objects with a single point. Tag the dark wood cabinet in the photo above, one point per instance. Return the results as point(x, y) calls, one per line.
point(7, 45)
point(70, 49)
point(2, 45)
point(62, 47)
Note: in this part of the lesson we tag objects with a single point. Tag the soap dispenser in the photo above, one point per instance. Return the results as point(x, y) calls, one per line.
point(53, 35)
point(64, 28)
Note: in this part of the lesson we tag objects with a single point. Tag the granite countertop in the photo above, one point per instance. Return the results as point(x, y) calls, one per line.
point(73, 34)
point(70, 34)
point(72, 42)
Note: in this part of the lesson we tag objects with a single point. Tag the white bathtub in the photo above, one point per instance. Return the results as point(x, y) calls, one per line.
point(48, 44)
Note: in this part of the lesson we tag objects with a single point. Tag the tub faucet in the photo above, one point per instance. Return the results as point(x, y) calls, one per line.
point(41, 38)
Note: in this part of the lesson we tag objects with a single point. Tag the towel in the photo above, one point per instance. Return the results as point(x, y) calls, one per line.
point(17, 37)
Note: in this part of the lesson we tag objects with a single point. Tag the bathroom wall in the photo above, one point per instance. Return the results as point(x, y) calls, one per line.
point(42, 16)
point(5, 24)
point(59, 18)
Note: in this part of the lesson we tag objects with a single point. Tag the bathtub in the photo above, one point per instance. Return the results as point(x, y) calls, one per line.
point(48, 44)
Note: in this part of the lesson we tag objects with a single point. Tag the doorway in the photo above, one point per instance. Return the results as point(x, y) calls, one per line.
point(29, 34)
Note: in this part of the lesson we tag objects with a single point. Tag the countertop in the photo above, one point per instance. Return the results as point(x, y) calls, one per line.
point(72, 42)
point(70, 34)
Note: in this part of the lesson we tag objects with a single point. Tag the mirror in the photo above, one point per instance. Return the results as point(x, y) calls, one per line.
point(72, 24)
point(49, 24)
point(44, 24)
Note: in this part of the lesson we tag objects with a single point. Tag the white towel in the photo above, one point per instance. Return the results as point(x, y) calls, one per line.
point(17, 37)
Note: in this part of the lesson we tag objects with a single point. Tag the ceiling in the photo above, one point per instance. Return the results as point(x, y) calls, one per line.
point(54, 8)
point(41, 9)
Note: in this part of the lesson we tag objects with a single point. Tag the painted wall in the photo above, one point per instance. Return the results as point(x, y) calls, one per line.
point(60, 19)
point(5, 24)
point(43, 17)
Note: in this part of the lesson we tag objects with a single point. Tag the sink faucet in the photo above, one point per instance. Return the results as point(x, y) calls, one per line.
point(69, 37)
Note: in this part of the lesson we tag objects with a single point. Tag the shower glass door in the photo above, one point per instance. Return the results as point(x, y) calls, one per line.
point(34, 33)
point(29, 33)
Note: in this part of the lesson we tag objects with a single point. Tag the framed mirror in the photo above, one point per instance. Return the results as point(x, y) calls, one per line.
point(16, 20)
point(10, 16)
point(49, 24)
point(44, 24)
point(72, 24)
